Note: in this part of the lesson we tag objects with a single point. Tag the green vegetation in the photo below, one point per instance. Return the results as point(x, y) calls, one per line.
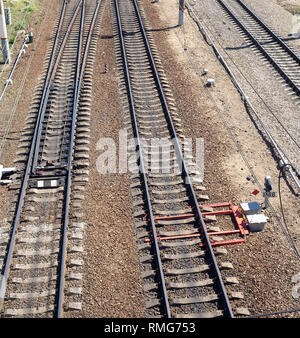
point(21, 11)
point(294, 9)
point(12, 39)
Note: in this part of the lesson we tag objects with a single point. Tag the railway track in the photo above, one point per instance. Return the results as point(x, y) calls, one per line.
point(274, 49)
point(184, 272)
point(42, 242)
point(286, 149)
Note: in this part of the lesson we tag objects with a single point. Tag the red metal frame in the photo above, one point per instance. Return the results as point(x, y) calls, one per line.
point(236, 212)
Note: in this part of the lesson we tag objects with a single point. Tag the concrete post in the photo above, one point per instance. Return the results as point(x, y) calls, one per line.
point(3, 35)
point(181, 12)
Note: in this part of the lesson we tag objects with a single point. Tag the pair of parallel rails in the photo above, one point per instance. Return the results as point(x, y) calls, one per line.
point(183, 273)
point(280, 56)
point(33, 275)
point(270, 44)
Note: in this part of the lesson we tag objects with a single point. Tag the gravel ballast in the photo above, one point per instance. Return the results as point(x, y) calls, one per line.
point(111, 285)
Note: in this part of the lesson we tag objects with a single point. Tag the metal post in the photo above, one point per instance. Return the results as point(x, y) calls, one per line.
point(3, 35)
point(30, 37)
point(7, 16)
point(268, 190)
point(181, 12)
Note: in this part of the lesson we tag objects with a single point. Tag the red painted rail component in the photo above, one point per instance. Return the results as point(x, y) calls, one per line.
point(239, 220)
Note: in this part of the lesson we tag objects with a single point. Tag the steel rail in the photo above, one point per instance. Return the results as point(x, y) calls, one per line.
point(282, 156)
point(185, 173)
point(20, 202)
point(261, 48)
point(51, 70)
point(48, 83)
point(141, 160)
point(77, 86)
point(275, 36)
point(210, 42)
point(70, 155)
